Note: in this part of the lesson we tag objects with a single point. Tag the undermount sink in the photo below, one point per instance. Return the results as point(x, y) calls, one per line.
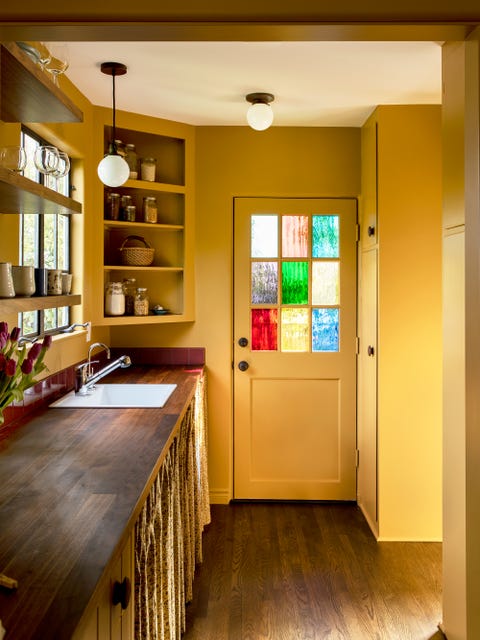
point(117, 396)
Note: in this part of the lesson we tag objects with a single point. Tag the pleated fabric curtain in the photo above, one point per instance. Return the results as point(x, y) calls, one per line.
point(168, 533)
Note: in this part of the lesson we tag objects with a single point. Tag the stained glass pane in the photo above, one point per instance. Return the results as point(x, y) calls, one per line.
point(264, 329)
point(325, 232)
point(325, 282)
point(295, 330)
point(264, 234)
point(294, 282)
point(294, 236)
point(325, 329)
point(264, 282)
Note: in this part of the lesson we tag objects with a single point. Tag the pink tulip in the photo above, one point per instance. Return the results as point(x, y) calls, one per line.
point(27, 366)
point(10, 367)
point(35, 351)
point(14, 336)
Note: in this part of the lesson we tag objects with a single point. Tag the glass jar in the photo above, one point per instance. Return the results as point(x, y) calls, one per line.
point(112, 209)
point(150, 212)
point(148, 168)
point(114, 299)
point(141, 302)
point(120, 148)
point(126, 201)
point(131, 158)
point(130, 213)
point(129, 290)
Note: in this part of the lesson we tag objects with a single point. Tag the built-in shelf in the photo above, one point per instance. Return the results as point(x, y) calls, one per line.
point(22, 195)
point(126, 267)
point(121, 224)
point(150, 319)
point(34, 303)
point(28, 94)
point(155, 186)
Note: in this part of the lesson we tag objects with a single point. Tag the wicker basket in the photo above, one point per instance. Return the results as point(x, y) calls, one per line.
point(136, 256)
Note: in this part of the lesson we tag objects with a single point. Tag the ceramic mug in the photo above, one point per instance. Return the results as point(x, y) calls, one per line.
point(54, 280)
point(41, 281)
point(7, 290)
point(66, 283)
point(23, 280)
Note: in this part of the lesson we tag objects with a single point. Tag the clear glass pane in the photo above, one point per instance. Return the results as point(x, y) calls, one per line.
point(326, 282)
point(295, 330)
point(264, 282)
point(264, 329)
point(62, 243)
point(63, 316)
point(264, 234)
point(325, 324)
point(28, 323)
point(326, 236)
point(50, 241)
point(50, 319)
point(294, 282)
point(29, 243)
point(294, 236)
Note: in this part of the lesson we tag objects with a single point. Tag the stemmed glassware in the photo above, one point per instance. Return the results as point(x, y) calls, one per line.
point(63, 167)
point(13, 158)
point(59, 62)
point(46, 159)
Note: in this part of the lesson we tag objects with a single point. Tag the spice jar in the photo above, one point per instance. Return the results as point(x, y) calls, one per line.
point(114, 299)
point(141, 302)
point(130, 213)
point(148, 168)
point(125, 202)
point(120, 148)
point(112, 210)
point(150, 209)
point(131, 159)
point(129, 290)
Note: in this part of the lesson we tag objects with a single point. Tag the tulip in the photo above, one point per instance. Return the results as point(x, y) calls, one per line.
point(47, 341)
point(10, 367)
point(27, 366)
point(3, 327)
point(14, 336)
point(35, 351)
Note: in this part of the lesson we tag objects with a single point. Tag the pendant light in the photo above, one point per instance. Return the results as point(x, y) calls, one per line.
point(260, 113)
point(113, 170)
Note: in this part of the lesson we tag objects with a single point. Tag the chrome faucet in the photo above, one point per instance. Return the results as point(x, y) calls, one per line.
point(85, 377)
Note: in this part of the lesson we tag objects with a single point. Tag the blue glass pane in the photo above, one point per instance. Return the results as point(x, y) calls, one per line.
point(264, 282)
point(325, 329)
point(325, 236)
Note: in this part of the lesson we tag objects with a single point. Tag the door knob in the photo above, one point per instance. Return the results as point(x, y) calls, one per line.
point(243, 342)
point(243, 365)
point(371, 350)
point(121, 592)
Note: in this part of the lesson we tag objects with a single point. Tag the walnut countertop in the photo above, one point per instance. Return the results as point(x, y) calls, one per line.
point(72, 482)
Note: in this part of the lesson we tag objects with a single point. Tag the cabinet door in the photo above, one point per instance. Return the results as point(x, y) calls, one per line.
point(121, 588)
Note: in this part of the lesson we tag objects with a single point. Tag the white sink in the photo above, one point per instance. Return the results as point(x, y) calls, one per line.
point(115, 396)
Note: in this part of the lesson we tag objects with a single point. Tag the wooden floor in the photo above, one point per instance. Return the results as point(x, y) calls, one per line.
point(308, 572)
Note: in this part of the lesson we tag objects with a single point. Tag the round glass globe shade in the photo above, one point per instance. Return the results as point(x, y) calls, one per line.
point(259, 116)
point(113, 170)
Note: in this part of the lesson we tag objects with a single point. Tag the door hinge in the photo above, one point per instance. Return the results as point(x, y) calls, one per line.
point(357, 345)
point(357, 458)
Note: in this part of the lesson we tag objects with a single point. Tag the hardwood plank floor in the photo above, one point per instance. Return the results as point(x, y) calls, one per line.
point(302, 571)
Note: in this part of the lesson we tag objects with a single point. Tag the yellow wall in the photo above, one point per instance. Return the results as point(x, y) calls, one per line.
point(410, 322)
point(234, 161)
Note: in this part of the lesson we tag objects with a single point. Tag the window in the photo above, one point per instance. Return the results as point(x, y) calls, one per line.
point(44, 242)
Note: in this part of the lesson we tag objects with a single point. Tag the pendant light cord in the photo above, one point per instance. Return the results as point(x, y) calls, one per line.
point(114, 135)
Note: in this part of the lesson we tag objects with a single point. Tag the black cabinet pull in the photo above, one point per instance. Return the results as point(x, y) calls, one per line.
point(371, 350)
point(122, 592)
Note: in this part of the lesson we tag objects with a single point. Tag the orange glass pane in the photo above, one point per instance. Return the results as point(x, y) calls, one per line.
point(294, 236)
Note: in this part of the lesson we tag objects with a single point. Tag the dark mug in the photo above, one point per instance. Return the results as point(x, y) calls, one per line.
point(41, 282)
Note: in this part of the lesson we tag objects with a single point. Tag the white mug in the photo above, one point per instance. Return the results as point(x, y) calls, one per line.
point(23, 280)
point(54, 285)
point(7, 290)
point(66, 283)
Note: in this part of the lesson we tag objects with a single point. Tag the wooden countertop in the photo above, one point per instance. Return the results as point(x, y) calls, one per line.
point(72, 483)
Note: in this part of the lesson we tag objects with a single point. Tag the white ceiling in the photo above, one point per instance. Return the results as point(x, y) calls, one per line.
point(314, 83)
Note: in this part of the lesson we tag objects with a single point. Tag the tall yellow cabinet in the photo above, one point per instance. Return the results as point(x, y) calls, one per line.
point(400, 324)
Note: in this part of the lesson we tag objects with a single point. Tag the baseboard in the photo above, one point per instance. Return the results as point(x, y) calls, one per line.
point(220, 496)
point(408, 539)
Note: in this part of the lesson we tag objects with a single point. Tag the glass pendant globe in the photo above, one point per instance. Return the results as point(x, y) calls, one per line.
point(113, 170)
point(259, 116)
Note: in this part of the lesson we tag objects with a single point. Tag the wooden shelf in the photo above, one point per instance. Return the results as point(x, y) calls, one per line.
point(27, 94)
point(22, 195)
point(126, 267)
point(154, 186)
point(34, 303)
point(122, 224)
point(150, 319)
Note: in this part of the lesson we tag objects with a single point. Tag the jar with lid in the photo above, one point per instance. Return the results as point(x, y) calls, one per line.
point(148, 168)
point(150, 212)
point(120, 148)
point(130, 213)
point(114, 299)
point(112, 209)
point(130, 291)
point(141, 302)
point(126, 201)
point(131, 159)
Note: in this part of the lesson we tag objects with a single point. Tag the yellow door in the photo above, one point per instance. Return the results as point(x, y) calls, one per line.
point(294, 349)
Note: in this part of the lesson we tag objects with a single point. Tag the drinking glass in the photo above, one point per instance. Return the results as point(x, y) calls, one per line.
point(59, 61)
point(46, 159)
point(13, 158)
point(63, 167)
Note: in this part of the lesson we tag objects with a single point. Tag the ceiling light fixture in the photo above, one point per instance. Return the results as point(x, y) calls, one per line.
point(113, 170)
point(260, 113)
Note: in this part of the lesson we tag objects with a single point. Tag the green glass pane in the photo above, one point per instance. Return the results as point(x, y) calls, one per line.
point(326, 282)
point(325, 236)
point(264, 235)
point(264, 282)
point(294, 282)
point(294, 236)
point(325, 329)
point(295, 330)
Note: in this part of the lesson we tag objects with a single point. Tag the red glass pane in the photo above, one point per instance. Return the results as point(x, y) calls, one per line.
point(264, 329)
